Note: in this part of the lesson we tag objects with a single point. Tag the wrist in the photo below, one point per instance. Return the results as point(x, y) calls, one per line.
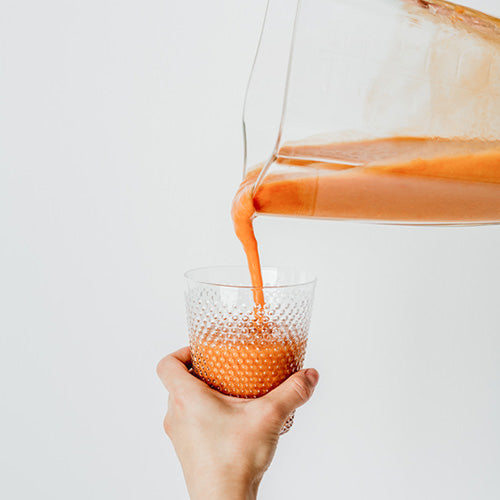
point(227, 486)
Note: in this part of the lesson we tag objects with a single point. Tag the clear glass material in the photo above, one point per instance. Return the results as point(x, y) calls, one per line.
point(389, 109)
point(241, 349)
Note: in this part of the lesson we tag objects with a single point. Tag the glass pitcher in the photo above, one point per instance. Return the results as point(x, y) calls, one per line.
point(376, 110)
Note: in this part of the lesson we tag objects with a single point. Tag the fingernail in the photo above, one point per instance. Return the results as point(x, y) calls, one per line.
point(312, 376)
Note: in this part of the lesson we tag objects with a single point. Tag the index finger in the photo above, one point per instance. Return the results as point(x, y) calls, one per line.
point(173, 369)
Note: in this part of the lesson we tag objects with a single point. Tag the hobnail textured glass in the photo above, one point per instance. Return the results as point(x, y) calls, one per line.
point(241, 349)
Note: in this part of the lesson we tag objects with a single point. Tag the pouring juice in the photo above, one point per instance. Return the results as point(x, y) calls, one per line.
point(393, 121)
point(390, 114)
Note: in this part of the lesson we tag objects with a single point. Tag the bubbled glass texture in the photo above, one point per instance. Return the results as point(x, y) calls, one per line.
point(244, 350)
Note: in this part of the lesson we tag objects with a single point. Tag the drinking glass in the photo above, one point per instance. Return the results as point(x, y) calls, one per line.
point(240, 348)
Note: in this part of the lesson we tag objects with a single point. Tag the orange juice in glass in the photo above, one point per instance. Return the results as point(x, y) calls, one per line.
point(240, 347)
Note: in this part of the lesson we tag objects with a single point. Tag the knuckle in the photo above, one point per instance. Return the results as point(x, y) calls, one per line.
point(167, 425)
point(178, 401)
point(301, 388)
point(162, 366)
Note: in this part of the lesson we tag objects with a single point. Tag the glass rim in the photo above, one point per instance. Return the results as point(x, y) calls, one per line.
point(310, 280)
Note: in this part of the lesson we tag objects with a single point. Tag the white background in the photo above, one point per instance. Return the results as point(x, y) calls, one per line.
point(120, 149)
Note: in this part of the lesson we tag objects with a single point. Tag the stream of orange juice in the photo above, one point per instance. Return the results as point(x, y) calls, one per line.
point(399, 180)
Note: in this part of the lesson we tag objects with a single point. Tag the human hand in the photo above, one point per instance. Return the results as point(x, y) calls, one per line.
point(225, 444)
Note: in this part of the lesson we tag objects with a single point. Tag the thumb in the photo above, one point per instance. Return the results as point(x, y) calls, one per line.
point(293, 392)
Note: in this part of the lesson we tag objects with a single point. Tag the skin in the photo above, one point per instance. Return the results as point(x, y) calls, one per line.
point(225, 444)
